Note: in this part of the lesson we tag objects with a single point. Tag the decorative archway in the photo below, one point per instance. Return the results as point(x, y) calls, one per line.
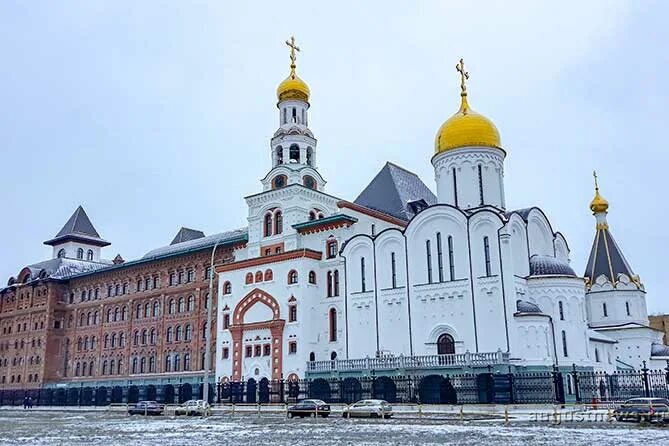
point(275, 325)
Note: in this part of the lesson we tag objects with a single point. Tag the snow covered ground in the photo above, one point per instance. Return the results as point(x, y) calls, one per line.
point(114, 428)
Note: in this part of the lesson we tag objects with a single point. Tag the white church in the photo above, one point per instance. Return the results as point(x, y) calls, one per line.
point(403, 280)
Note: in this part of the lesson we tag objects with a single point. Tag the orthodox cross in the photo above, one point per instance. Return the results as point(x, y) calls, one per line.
point(594, 174)
point(464, 75)
point(293, 48)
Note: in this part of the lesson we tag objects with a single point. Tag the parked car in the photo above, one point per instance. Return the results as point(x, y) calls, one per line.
point(648, 409)
point(193, 408)
point(369, 409)
point(146, 408)
point(307, 408)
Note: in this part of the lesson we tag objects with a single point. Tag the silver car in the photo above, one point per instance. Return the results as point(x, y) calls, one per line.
point(369, 409)
point(193, 408)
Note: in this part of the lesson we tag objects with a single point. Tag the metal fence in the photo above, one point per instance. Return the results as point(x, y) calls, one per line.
point(557, 386)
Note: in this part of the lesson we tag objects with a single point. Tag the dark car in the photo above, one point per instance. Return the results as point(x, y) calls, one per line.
point(307, 408)
point(647, 409)
point(146, 408)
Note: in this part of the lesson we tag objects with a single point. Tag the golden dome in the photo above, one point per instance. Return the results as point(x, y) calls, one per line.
point(598, 204)
point(293, 88)
point(466, 128)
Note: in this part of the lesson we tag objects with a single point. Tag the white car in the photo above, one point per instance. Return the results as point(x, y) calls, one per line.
point(369, 409)
point(193, 408)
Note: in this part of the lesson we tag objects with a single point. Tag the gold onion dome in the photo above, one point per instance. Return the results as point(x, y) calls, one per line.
point(292, 87)
point(599, 203)
point(466, 128)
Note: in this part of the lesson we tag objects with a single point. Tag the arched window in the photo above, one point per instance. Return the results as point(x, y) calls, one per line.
point(333, 356)
point(363, 285)
point(561, 310)
point(168, 363)
point(172, 306)
point(445, 345)
point(89, 318)
point(147, 309)
point(269, 275)
point(333, 324)
point(451, 258)
point(312, 215)
point(145, 337)
point(138, 311)
point(267, 231)
point(135, 340)
point(176, 362)
point(82, 320)
point(135, 362)
point(309, 182)
point(279, 181)
point(182, 305)
point(152, 336)
point(564, 344)
point(142, 365)
point(104, 367)
point(278, 222)
point(80, 344)
point(119, 367)
point(152, 364)
point(190, 305)
point(292, 313)
point(61, 253)
point(156, 309)
point(117, 314)
point(112, 367)
point(294, 153)
point(80, 255)
point(76, 372)
point(329, 283)
point(83, 369)
point(331, 248)
point(596, 355)
point(310, 153)
point(292, 277)
point(170, 332)
point(227, 288)
point(312, 277)
point(113, 340)
point(96, 318)
point(89, 254)
point(186, 362)
point(259, 276)
point(107, 340)
point(486, 249)
point(178, 334)
point(249, 278)
point(188, 332)
point(121, 340)
point(312, 356)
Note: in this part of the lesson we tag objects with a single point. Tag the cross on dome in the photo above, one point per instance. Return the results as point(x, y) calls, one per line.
point(293, 48)
point(464, 75)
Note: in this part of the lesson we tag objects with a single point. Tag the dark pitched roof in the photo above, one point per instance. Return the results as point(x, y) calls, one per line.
point(606, 258)
point(80, 228)
point(523, 306)
point(186, 234)
point(236, 236)
point(394, 191)
point(549, 266)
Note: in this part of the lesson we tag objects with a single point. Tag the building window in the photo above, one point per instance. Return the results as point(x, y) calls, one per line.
point(451, 258)
point(445, 344)
point(312, 215)
point(268, 275)
point(170, 334)
point(190, 275)
point(455, 187)
point(561, 310)
point(190, 305)
point(596, 355)
point(292, 313)
point(226, 321)
point(428, 252)
point(331, 249)
point(393, 271)
point(292, 277)
point(178, 333)
point(627, 308)
point(335, 291)
point(227, 288)
point(312, 277)
point(173, 279)
point(61, 253)
point(486, 249)
point(292, 347)
point(188, 333)
point(156, 309)
point(89, 254)
point(259, 276)
point(564, 344)
point(604, 310)
point(225, 353)
point(257, 350)
point(278, 222)
point(80, 255)
point(186, 362)
point(440, 258)
point(249, 278)
point(268, 225)
point(168, 363)
point(363, 285)
point(480, 172)
point(249, 351)
point(333, 324)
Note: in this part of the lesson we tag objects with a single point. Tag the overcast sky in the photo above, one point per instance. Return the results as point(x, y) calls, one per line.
point(157, 115)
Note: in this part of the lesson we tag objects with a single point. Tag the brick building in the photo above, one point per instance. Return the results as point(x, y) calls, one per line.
point(78, 318)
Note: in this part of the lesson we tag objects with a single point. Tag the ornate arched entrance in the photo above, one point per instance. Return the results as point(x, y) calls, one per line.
point(274, 325)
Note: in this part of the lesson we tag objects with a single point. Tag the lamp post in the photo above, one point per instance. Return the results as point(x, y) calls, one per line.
point(207, 333)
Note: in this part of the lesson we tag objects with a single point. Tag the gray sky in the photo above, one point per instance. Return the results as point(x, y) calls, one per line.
point(155, 115)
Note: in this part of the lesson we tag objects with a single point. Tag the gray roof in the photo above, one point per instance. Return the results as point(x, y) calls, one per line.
point(659, 350)
point(63, 268)
point(78, 227)
point(549, 266)
point(606, 258)
point(523, 306)
point(186, 234)
point(397, 192)
point(198, 243)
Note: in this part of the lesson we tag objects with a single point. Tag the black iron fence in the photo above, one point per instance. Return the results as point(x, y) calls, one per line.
point(558, 386)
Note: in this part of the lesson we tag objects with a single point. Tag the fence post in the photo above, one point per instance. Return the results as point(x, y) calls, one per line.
point(646, 387)
point(577, 393)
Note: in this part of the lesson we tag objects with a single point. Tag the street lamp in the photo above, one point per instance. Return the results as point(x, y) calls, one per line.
point(207, 333)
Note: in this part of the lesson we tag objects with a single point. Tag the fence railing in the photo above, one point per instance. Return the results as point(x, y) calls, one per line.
point(557, 386)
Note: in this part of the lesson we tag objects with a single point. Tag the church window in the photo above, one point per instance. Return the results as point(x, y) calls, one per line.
point(168, 363)
point(627, 308)
point(188, 332)
point(455, 187)
point(451, 258)
point(249, 351)
point(605, 311)
point(259, 276)
point(268, 275)
point(292, 347)
point(249, 278)
point(266, 350)
point(309, 182)
point(121, 340)
point(182, 306)
point(312, 215)
point(445, 344)
point(393, 271)
point(486, 249)
point(117, 290)
point(333, 324)
point(480, 172)
point(61, 253)
point(333, 356)
point(138, 311)
point(135, 338)
point(172, 306)
point(331, 249)
point(178, 333)
point(312, 356)
point(292, 277)
point(89, 254)
point(312, 277)
point(227, 288)
point(294, 153)
point(110, 291)
point(292, 313)
point(186, 362)
point(80, 255)
point(225, 353)
point(428, 251)
point(278, 222)
point(294, 118)
point(145, 337)
point(257, 350)
point(147, 309)
point(152, 364)
point(329, 283)
point(285, 116)
point(170, 334)
point(363, 285)
point(310, 155)
point(564, 344)
point(302, 116)
point(561, 310)
point(440, 258)
point(268, 225)
point(278, 182)
point(156, 309)
point(226, 321)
